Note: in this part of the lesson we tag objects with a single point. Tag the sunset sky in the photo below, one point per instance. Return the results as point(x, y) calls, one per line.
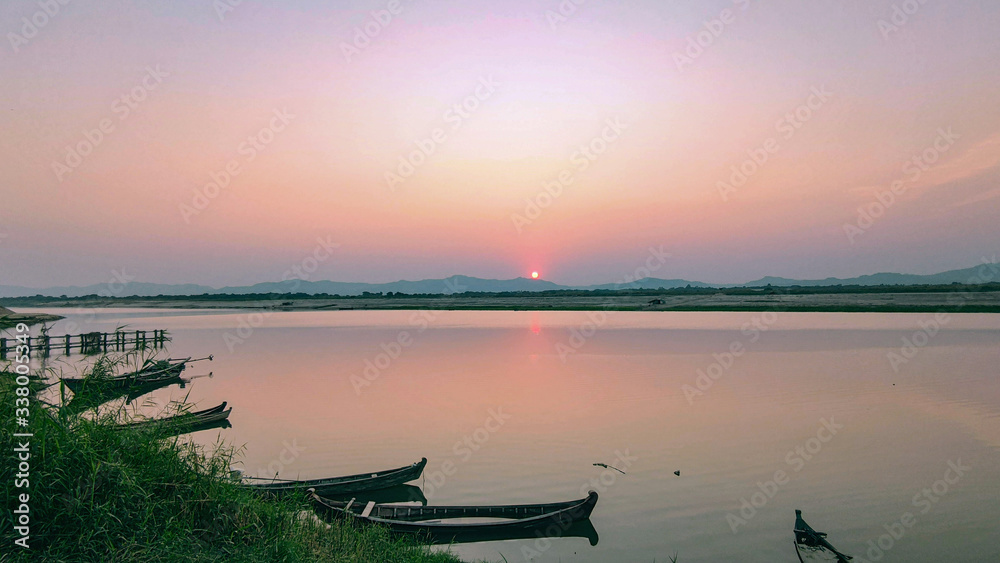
point(315, 117)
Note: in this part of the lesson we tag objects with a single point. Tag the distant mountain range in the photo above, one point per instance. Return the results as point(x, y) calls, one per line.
point(459, 284)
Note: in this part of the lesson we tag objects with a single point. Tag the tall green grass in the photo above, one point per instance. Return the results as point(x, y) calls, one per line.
point(99, 494)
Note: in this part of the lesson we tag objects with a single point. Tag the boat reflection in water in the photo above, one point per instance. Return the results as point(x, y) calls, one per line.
point(397, 494)
point(88, 398)
point(584, 529)
point(198, 427)
point(811, 545)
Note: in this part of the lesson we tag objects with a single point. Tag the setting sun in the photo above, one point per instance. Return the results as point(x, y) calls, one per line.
point(534, 275)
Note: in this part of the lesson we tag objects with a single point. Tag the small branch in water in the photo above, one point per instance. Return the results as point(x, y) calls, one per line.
point(606, 466)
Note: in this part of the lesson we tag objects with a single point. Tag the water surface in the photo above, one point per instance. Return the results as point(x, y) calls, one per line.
point(515, 407)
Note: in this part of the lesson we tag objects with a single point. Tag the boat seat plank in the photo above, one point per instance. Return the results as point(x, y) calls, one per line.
point(368, 509)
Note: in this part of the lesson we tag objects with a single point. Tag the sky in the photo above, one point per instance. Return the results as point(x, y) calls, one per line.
point(223, 142)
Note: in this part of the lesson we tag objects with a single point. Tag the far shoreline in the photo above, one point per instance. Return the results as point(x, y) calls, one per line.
point(954, 298)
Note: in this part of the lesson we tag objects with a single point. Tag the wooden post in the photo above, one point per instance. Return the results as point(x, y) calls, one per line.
point(104, 340)
point(43, 343)
point(90, 343)
point(69, 339)
point(3, 348)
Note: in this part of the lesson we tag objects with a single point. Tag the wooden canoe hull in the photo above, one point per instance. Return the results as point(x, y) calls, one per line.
point(529, 520)
point(215, 417)
point(345, 485)
point(811, 545)
point(808, 554)
point(125, 382)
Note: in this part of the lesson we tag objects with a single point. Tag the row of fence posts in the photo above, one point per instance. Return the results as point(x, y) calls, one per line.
point(88, 343)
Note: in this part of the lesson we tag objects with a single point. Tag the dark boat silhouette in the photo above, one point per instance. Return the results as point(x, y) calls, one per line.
point(437, 524)
point(340, 485)
point(811, 545)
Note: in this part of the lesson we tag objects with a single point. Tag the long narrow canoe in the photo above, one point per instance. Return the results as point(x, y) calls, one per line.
point(551, 519)
point(151, 373)
point(341, 485)
point(811, 545)
point(185, 422)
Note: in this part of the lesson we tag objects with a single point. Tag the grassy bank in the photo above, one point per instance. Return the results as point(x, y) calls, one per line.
point(98, 494)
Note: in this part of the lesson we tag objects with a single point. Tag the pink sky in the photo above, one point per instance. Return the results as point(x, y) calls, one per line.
point(545, 88)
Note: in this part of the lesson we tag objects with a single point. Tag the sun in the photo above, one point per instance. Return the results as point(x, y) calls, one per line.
point(534, 275)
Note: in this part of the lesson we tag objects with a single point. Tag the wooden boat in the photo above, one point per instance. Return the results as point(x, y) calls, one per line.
point(185, 422)
point(550, 519)
point(151, 373)
point(160, 366)
point(811, 545)
point(341, 485)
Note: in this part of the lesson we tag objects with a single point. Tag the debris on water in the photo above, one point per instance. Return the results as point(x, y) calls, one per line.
point(606, 466)
point(677, 473)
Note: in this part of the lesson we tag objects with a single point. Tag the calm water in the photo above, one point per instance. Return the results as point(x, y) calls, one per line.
point(516, 407)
